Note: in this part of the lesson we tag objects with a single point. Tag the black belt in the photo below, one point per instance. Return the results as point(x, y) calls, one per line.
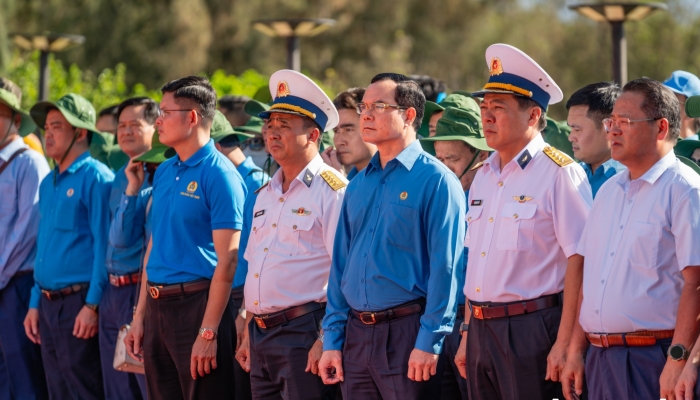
point(64, 292)
point(22, 273)
point(268, 321)
point(500, 310)
point(178, 289)
point(403, 310)
point(237, 293)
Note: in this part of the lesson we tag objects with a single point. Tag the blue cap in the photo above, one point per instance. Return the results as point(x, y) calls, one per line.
point(683, 82)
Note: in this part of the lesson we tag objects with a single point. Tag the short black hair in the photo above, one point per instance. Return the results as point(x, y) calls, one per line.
point(348, 99)
point(659, 102)
point(430, 86)
point(197, 90)
point(111, 111)
point(230, 141)
point(600, 98)
point(525, 102)
point(150, 112)
point(408, 94)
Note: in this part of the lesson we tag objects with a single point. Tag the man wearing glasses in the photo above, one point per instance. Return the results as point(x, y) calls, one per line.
point(392, 292)
point(639, 299)
point(182, 325)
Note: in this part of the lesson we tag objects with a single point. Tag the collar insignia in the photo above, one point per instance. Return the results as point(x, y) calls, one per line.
point(524, 159)
point(522, 198)
point(308, 178)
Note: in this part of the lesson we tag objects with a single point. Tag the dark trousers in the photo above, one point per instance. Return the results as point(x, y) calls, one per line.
point(621, 373)
point(21, 369)
point(72, 365)
point(171, 328)
point(507, 357)
point(453, 386)
point(278, 358)
point(240, 376)
point(116, 310)
point(375, 361)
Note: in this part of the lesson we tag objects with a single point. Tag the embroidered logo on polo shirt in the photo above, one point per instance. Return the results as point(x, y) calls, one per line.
point(403, 195)
point(192, 187)
point(70, 192)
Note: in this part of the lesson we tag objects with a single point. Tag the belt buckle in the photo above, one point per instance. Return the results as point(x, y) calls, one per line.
point(114, 280)
point(260, 322)
point(477, 312)
point(372, 319)
point(154, 291)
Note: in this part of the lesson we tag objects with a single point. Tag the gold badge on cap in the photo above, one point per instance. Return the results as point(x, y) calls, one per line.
point(521, 198)
point(283, 89)
point(70, 192)
point(403, 195)
point(496, 66)
point(192, 187)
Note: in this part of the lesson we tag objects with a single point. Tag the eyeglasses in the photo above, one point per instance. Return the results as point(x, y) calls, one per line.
point(624, 123)
point(163, 113)
point(378, 108)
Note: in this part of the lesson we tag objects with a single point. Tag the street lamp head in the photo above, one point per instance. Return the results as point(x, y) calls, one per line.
point(46, 42)
point(617, 11)
point(293, 27)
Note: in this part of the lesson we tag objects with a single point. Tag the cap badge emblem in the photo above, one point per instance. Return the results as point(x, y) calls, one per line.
point(282, 89)
point(496, 66)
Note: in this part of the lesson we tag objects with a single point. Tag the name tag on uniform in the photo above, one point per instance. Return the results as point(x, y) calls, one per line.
point(476, 202)
point(259, 213)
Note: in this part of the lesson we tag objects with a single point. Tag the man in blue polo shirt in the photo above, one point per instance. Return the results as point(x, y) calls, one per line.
point(182, 321)
point(392, 291)
point(69, 272)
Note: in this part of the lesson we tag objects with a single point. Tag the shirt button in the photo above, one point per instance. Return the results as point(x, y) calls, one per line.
point(364, 305)
point(469, 219)
point(602, 281)
point(177, 178)
point(490, 219)
point(281, 200)
point(294, 227)
point(515, 216)
point(383, 182)
point(597, 311)
point(255, 229)
point(371, 230)
point(377, 206)
point(500, 183)
point(256, 275)
point(362, 280)
point(255, 302)
point(612, 254)
point(274, 225)
point(483, 254)
point(478, 290)
point(265, 249)
point(620, 226)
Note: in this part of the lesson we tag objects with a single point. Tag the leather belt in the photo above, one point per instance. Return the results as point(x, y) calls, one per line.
point(500, 310)
point(632, 339)
point(268, 321)
point(237, 293)
point(178, 289)
point(66, 291)
point(403, 310)
point(124, 280)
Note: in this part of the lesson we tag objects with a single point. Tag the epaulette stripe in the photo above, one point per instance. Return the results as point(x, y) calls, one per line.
point(332, 180)
point(261, 187)
point(560, 158)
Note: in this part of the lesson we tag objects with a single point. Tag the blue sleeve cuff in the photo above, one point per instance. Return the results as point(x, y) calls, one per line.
point(94, 294)
point(34, 298)
point(333, 339)
point(429, 342)
point(237, 226)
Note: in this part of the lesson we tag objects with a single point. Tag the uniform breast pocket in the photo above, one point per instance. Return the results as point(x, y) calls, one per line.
point(402, 223)
point(66, 214)
point(297, 235)
point(516, 227)
point(644, 242)
point(472, 218)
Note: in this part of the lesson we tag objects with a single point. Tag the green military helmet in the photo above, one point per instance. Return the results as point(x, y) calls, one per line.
point(686, 147)
point(221, 128)
point(556, 134)
point(157, 153)
point(10, 100)
point(692, 107)
point(458, 124)
point(692, 164)
point(77, 110)
point(455, 100)
point(255, 123)
point(101, 146)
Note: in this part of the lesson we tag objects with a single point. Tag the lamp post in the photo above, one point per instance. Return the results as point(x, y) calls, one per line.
point(293, 29)
point(46, 43)
point(616, 14)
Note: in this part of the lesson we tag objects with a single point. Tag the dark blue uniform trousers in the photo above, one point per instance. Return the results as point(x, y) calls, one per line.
point(171, 328)
point(375, 361)
point(72, 365)
point(116, 310)
point(507, 357)
point(622, 373)
point(278, 357)
point(21, 369)
point(453, 386)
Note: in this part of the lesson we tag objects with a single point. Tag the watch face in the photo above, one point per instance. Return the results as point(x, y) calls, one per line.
point(676, 352)
point(208, 334)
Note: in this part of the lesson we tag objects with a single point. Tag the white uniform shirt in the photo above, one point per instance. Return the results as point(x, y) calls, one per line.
point(639, 237)
point(291, 241)
point(525, 220)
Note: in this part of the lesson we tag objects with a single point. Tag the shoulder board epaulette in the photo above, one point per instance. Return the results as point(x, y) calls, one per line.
point(332, 180)
point(477, 166)
point(559, 157)
point(261, 187)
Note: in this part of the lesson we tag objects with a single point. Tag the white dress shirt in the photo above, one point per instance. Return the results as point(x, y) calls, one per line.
point(525, 220)
point(640, 235)
point(291, 240)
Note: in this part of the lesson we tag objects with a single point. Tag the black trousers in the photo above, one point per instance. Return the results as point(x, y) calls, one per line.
point(21, 369)
point(507, 357)
point(453, 386)
point(278, 358)
point(171, 328)
point(626, 373)
point(240, 376)
point(72, 365)
point(375, 361)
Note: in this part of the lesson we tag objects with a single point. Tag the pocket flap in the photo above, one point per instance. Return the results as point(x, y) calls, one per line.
point(473, 214)
point(518, 211)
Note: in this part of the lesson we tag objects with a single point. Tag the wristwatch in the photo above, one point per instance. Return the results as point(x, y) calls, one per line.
point(93, 307)
point(463, 328)
point(678, 352)
point(320, 336)
point(207, 333)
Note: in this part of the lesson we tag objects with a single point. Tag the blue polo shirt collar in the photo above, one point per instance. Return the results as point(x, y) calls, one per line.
point(79, 162)
point(407, 157)
point(206, 150)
